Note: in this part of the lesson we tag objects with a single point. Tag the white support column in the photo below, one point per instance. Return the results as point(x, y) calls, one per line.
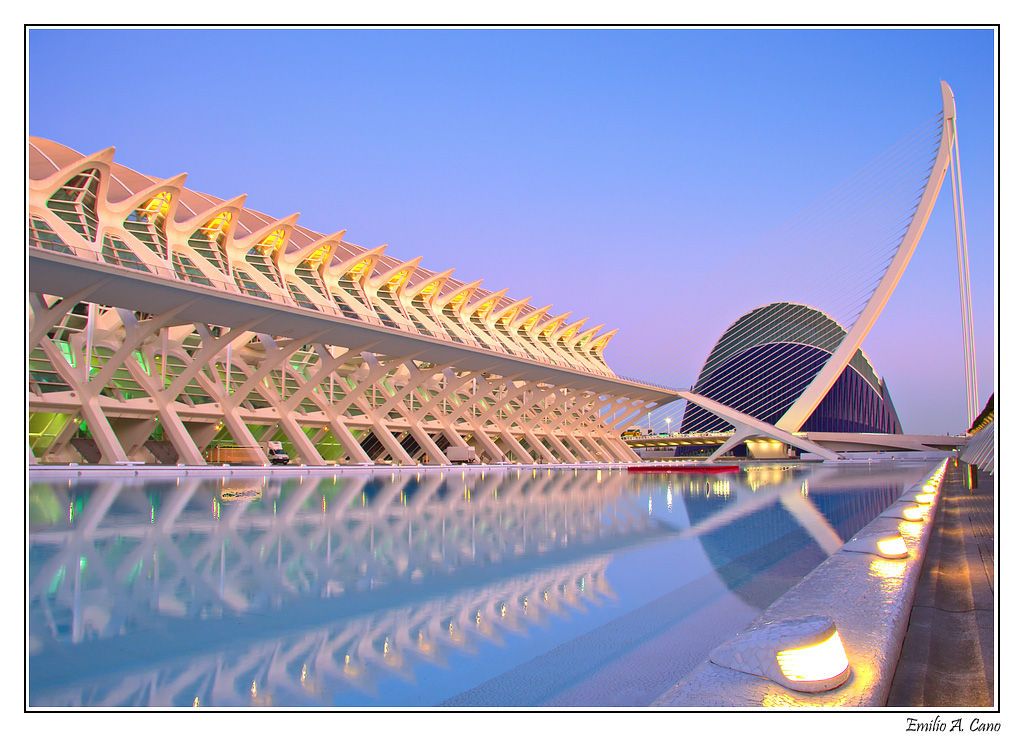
point(560, 448)
point(521, 454)
point(538, 446)
point(580, 450)
point(427, 444)
point(101, 431)
point(347, 440)
point(627, 454)
point(389, 441)
point(303, 445)
point(179, 437)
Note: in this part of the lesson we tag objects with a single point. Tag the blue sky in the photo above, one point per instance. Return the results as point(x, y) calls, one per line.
point(602, 171)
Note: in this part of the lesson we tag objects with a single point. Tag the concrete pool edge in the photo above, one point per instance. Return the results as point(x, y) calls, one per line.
point(870, 599)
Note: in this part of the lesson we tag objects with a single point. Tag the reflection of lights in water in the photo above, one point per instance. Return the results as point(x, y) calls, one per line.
point(253, 689)
point(303, 676)
point(196, 701)
point(759, 476)
point(516, 522)
point(503, 610)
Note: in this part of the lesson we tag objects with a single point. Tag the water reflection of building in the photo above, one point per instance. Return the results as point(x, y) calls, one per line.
point(360, 577)
point(786, 520)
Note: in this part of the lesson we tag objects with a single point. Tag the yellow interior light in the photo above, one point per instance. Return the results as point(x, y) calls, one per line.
point(358, 268)
point(271, 241)
point(317, 256)
point(218, 223)
point(820, 662)
point(157, 205)
point(396, 281)
point(925, 497)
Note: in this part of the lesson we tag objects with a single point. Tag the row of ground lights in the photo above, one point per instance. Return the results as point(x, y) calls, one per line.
point(806, 653)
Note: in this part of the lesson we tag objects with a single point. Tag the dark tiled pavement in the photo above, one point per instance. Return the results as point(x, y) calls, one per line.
point(948, 654)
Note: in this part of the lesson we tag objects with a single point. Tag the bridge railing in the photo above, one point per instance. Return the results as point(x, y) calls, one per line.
point(651, 384)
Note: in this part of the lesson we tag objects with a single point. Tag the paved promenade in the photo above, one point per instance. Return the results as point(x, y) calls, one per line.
point(949, 651)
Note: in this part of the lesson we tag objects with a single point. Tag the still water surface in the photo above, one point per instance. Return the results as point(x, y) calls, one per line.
point(458, 588)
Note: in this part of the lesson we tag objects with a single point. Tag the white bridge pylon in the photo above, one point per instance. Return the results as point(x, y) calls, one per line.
point(793, 419)
point(801, 409)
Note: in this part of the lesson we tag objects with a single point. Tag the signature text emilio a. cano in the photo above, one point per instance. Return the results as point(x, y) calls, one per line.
point(950, 725)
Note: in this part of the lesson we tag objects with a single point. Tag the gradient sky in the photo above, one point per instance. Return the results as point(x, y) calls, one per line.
point(602, 171)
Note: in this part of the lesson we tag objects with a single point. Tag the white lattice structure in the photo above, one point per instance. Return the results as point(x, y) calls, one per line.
point(168, 322)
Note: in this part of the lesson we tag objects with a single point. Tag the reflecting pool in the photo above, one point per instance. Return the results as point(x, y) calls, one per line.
point(517, 587)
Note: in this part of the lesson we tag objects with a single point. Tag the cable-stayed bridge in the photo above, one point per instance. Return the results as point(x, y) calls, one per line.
point(166, 323)
point(784, 344)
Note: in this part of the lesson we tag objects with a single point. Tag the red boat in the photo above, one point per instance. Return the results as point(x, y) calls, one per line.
point(677, 468)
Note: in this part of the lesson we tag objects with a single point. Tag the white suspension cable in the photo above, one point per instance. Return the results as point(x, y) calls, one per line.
point(881, 203)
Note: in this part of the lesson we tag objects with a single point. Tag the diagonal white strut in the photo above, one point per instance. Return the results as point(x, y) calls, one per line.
point(751, 427)
point(815, 392)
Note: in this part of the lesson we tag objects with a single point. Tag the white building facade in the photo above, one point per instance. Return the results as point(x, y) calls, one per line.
point(168, 326)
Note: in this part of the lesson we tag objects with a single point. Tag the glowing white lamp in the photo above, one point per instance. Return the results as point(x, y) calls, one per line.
point(912, 512)
point(919, 496)
point(888, 545)
point(802, 654)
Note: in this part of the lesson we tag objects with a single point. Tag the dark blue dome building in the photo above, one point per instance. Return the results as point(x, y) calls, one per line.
point(765, 360)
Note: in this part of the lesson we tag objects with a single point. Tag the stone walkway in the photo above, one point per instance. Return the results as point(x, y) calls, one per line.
point(949, 651)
